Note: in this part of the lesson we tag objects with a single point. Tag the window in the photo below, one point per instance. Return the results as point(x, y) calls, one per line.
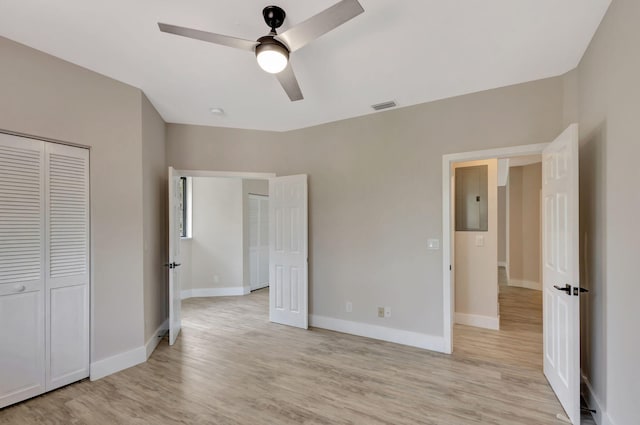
point(184, 218)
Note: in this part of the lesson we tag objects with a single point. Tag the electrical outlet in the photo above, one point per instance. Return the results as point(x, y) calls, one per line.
point(349, 307)
point(387, 312)
point(381, 312)
point(216, 279)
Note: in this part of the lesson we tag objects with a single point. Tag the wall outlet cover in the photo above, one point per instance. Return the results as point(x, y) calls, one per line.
point(387, 312)
point(349, 307)
point(380, 311)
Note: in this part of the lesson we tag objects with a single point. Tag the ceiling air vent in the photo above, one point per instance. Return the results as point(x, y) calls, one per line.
point(384, 105)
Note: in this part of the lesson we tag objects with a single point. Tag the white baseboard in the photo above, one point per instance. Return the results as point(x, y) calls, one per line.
point(478, 321)
point(525, 284)
point(214, 292)
point(154, 340)
point(600, 417)
point(502, 264)
point(113, 364)
point(399, 336)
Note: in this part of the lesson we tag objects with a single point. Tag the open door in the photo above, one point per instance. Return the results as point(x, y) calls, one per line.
point(561, 278)
point(175, 208)
point(288, 294)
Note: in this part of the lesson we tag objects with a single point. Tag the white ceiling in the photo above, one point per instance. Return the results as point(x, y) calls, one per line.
point(410, 51)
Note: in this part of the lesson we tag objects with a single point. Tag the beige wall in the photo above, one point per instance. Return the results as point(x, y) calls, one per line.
point(375, 190)
point(45, 96)
point(154, 199)
point(217, 243)
point(605, 94)
point(476, 271)
point(525, 184)
point(255, 187)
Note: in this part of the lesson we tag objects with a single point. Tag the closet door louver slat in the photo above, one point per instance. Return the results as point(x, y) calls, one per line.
point(21, 225)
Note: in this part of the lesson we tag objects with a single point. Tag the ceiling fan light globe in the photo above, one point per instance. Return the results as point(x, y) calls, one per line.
point(272, 56)
point(272, 61)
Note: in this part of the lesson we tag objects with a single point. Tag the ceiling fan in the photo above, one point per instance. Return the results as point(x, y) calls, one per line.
point(272, 51)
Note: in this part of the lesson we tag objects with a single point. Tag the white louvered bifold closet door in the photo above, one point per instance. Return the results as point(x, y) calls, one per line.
point(44, 267)
point(22, 278)
point(67, 264)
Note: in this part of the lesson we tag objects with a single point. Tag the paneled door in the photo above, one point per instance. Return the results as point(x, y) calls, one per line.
point(288, 293)
point(561, 279)
point(22, 277)
point(175, 301)
point(67, 264)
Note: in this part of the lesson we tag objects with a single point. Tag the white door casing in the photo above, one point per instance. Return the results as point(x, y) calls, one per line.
point(288, 251)
point(175, 302)
point(561, 309)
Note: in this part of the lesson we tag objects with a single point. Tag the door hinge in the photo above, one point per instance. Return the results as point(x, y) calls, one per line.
point(577, 290)
point(450, 267)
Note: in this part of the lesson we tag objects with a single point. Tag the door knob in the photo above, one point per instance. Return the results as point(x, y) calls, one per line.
point(567, 288)
point(19, 288)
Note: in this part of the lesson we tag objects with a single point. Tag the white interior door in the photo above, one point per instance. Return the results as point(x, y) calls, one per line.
point(175, 209)
point(67, 264)
point(561, 279)
point(22, 243)
point(288, 294)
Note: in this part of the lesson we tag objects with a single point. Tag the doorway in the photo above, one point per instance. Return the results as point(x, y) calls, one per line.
point(288, 246)
point(561, 322)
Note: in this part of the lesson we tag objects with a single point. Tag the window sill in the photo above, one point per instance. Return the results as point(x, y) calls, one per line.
point(186, 238)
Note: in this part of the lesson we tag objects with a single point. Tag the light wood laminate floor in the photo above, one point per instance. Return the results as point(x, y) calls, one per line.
point(231, 366)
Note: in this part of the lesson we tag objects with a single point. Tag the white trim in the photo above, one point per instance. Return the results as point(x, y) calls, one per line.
point(600, 417)
point(447, 242)
point(478, 321)
point(116, 363)
point(502, 264)
point(399, 336)
point(528, 284)
point(155, 339)
point(214, 292)
point(228, 174)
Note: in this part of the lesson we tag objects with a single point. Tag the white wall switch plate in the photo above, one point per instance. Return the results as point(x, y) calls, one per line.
point(433, 244)
point(380, 311)
point(349, 307)
point(387, 312)
point(479, 240)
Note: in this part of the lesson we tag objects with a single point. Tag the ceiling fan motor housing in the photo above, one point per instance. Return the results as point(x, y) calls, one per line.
point(274, 16)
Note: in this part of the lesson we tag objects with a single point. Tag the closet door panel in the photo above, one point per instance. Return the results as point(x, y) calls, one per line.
point(69, 337)
point(67, 265)
point(22, 352)
point(22, 319)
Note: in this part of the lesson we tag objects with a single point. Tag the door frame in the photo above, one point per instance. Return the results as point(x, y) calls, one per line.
point(448, 245)
point(219, 174)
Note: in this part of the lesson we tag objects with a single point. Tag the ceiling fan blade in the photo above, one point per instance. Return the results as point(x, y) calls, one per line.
point(289, 83)
point(223, 40)
point(307, 31)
